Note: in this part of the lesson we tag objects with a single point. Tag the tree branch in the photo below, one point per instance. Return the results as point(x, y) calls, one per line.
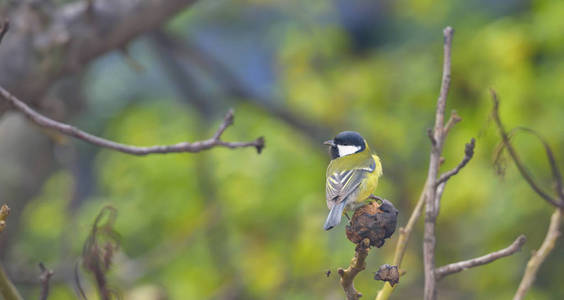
point(66, 129)
point(75, 36)
point(357, 265)
point(468, 153)
point(7, 288)
point(45, 276)
point(520, 166)
point(449, 269)
point(429, 240)
point(4, 29)
point(453, 120)
point(540, 256)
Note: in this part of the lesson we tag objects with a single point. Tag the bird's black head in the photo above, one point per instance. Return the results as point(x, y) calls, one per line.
point(346, 143)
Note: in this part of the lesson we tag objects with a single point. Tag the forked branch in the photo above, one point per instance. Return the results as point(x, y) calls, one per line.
point(449, 269)
point(553, 231)
point(520, 166)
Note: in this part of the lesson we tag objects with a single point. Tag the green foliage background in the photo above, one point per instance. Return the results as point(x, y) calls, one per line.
point(231, 222)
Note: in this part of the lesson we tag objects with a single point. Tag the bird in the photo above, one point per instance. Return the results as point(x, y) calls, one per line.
point(352, 175)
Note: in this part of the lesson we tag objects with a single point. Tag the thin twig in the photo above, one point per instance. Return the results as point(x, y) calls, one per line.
point(4, 29)
point(540, 256)
point(401, 245)
point(443, 271)
point(454, 118)
point(7, 288)
point(46, 274)
point(66, 129)
point(556, 174)
point(77, 284)
point(357, 265)
point(468, 153)
point(429, 240)
point(507, 144)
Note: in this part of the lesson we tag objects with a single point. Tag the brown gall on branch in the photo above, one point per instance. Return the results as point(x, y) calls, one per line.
point(520, 166)
point(194, 147)
point(44, 277)
point(358, 263)
point(388, 274)
point(373, 221)
point(370, 225)
point(449, 269)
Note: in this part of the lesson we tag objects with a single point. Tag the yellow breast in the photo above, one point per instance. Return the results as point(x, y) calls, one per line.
point(370, 182)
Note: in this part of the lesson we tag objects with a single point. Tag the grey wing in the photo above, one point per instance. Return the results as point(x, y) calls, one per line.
point(340, 185)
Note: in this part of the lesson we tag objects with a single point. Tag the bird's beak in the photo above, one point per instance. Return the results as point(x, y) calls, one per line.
point(329, 142)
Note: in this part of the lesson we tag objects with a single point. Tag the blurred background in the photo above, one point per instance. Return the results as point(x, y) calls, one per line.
point(231, 224)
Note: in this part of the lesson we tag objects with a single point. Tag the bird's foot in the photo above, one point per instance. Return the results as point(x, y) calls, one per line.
point(378, 199)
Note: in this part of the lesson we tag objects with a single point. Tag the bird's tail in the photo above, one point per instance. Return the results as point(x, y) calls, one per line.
point(334, 217)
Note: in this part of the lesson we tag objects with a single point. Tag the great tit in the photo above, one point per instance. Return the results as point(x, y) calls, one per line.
point(352, 175)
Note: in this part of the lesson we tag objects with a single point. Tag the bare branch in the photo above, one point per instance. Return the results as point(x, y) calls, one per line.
point(429, 240)
point(431, 136)
point(445, 85)
point(66, 129)
point(357, 265)
point(540, 256)
point(453, 120)
point(556, 174)
point(4, 29)
point(449, 269)
point(7, 288)
point(46, 274)
point(520, 166)
point(72, 39)
point(468, 153)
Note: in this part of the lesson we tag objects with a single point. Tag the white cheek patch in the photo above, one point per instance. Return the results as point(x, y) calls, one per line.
point(347, 149)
